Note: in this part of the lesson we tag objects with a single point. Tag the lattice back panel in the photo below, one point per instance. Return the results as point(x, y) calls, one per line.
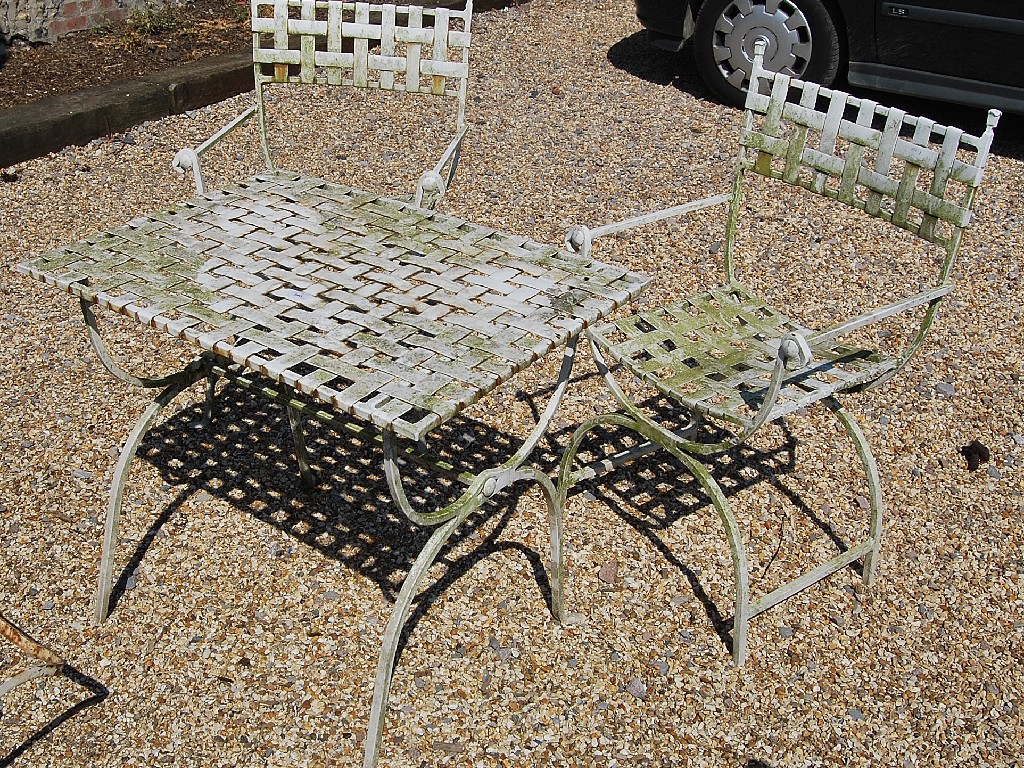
point(908, 170)
point(366, 45)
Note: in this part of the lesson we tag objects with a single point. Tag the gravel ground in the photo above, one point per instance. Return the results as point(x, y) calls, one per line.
point(248, 632)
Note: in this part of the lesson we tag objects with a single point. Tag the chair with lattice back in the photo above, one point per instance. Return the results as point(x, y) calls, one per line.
point(377, 46)
point(732, 360)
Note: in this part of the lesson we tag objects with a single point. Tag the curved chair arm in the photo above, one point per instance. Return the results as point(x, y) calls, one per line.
point(794, 354)
point(432, 184)
point(580, 238)
point(932, 298)
point(429, 190)
point(188, 158)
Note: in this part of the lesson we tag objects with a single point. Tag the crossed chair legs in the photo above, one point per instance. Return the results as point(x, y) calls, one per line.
point(689, 454)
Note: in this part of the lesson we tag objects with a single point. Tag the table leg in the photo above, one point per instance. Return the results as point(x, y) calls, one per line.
point(174, 384)
point(108, 362)
point(480, 488)
point(181, 382)
point(468, 504)
point(393, 633)
point(299, 440)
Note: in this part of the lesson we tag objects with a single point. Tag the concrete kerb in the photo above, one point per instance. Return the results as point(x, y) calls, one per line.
point(35, 129)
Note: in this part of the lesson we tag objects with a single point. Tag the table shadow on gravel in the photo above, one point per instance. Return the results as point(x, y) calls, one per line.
point(245, 458)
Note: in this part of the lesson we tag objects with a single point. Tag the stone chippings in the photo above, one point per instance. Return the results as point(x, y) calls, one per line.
point(248, 636)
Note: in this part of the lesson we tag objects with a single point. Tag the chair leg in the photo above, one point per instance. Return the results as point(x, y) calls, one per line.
point(301, 454)
point(101, 606)
point(741, 573)
point(565, 480)
point(741, 570)
point(556, 520)
point(876, 504)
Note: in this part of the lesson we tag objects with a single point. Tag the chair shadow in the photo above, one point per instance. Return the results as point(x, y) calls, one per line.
point(245, 457)
point(99, 693)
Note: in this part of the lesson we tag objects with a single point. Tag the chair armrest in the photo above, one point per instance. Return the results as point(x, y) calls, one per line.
point(580, 238)
point(796, 350)
point(188, 158)
point(925, 297)
point(432, 186)
point(930, 298)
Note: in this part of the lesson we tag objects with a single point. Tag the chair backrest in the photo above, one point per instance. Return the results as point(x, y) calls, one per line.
point(381, 46)
point(910, 171)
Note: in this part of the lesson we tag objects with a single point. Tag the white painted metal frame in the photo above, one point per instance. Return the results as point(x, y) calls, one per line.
point(379, 318)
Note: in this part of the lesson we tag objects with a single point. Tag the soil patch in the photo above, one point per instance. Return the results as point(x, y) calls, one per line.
point(148, 42)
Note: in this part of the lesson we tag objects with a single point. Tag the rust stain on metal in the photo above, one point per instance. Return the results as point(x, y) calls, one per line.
point(25, 643)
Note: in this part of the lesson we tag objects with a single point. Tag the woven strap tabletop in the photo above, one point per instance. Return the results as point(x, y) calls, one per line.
point(396, 315)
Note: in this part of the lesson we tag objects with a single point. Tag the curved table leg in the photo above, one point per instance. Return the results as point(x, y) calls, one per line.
point(181, 382)
point(393, 633)
point(210, 394)
point(411, 585)
point(480, 488)
point(108, 362)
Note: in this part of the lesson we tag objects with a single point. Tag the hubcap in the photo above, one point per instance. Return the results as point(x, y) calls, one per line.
point(779, 22)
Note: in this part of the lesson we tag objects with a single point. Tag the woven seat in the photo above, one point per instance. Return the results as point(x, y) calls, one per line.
point(733, 362)
point(714, 354)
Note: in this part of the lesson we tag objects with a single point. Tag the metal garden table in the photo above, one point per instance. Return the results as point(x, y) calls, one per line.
point(366, 312)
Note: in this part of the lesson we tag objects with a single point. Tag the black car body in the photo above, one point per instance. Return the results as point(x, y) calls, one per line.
point(965, 52)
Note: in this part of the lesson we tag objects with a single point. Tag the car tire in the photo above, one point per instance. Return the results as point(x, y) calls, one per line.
point(802, 41)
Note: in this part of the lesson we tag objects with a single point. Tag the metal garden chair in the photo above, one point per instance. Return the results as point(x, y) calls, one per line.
point(387, 47)
point(731, 360)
